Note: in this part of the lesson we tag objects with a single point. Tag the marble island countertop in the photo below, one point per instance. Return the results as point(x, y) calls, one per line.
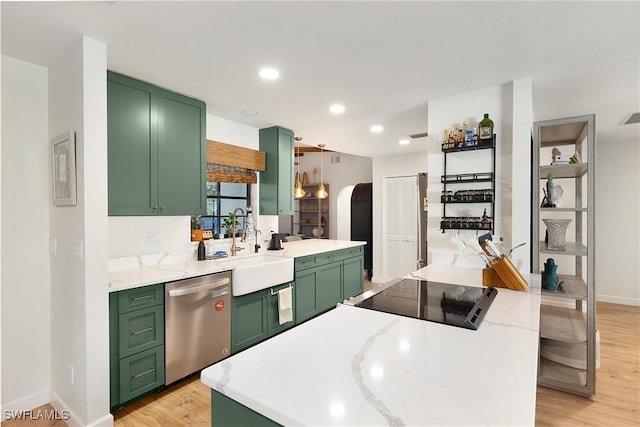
point(135, 271)
point(353, 366)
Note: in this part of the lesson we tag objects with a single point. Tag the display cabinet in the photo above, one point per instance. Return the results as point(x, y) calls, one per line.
point(311, 219)
point(468, 194)
point(563, 159)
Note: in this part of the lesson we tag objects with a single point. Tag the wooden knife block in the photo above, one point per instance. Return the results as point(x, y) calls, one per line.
point(503, 274)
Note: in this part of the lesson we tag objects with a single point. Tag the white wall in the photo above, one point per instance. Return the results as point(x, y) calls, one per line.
point(522, 119)
point(94, 174)
point(509, 106)
point(26, 374)
point(79, 288)
point(343, 207)
point(617, 221)
point(1, 405)
point(388, 166)
point(349, 170)
point(445, 113)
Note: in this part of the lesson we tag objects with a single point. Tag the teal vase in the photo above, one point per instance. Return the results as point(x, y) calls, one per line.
point(550, 275)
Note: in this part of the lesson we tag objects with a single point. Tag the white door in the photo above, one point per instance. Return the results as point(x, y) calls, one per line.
point(400, 226)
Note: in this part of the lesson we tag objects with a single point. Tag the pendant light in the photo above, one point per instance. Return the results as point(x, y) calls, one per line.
point(298, 191)
point(321, 193)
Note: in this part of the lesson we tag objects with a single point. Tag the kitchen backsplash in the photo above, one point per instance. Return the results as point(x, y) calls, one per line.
point(142, 235)
point(136, 241)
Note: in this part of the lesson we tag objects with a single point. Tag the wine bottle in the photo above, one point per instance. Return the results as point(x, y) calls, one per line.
point(486, 129)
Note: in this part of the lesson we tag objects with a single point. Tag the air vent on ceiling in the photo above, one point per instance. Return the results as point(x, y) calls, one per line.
point(419, 135)
point(630, 119)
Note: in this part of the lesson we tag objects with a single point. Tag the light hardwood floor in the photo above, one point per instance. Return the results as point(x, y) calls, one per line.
point(616, 402)
point(617, 399)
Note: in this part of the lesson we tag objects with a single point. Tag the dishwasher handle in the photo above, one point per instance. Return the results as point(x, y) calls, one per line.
point(188, 290)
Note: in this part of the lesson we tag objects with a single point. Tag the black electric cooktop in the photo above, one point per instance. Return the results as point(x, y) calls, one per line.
point(455, 305)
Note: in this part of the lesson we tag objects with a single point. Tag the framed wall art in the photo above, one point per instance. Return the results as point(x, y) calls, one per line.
point(63, 150)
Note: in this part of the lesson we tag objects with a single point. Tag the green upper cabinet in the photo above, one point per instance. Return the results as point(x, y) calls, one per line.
point(182, 145)
point(276, 182)
point(156, 150)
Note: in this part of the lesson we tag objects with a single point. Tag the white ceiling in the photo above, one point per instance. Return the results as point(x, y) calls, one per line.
point(383, 60)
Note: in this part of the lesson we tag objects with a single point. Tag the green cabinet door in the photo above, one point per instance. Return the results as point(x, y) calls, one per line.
point(156, 150)
point(329, 285)
point(273, 312)
point(248, 320)
point(181, 155)
point(352, 275)
point(276, 181)
point(132, 148)
point(305, 295)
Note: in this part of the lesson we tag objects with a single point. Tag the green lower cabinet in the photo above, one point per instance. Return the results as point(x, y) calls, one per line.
point(318, 289)
point(141, 330)
point(353, 277)
point(306, 297)
point(228, 413)
point(329, 285)
point(326, 279)
point(248, 320)
point(136, 343)
point(141, 373)
point(255, 317)
point(273, 313)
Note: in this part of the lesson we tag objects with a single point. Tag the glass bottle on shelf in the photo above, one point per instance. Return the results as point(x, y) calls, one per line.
point(486, 128)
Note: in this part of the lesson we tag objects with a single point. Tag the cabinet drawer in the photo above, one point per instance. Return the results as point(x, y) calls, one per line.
point(305, 262)
point(351, 252)
point(327, 257)
point(140, 330)
point(134, 299)
point(141, 373)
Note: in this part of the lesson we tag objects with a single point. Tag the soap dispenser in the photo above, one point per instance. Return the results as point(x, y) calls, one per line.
point(202, 251)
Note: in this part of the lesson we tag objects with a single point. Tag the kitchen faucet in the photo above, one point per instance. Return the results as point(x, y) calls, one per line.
point(234, 248)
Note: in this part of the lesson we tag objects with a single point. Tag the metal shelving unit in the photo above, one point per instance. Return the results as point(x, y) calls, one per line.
point(568, 342)
point(466, 183)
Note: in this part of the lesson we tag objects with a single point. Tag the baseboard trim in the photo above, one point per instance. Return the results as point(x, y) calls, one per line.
point(618, 300)
point(106, 421)
point(26, 403)
point(60, 406)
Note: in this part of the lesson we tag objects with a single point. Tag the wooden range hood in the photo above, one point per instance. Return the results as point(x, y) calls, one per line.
point(230, 163)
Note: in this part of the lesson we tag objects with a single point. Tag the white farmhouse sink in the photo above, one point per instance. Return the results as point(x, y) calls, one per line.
point(254, 273)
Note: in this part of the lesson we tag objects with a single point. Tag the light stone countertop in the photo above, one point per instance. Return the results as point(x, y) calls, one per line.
point(354, 366)
point(136, 271)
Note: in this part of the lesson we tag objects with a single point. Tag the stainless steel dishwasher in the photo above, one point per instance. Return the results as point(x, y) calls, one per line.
point(197, 323)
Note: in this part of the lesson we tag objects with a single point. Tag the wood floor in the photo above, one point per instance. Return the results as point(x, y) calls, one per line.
point(616, 403)
point(617, 399)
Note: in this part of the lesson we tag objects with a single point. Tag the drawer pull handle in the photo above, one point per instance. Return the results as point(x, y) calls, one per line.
point(142, 297)
point(144, 373)
point(151, 328)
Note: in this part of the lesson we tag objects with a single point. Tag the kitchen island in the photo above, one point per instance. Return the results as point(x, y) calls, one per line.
point(353, 366)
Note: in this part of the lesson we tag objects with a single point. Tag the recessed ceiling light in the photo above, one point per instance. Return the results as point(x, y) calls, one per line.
point(376, 128)
point(269, 73)
point(249, 113)
point(337, 109)
point(403, 142)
